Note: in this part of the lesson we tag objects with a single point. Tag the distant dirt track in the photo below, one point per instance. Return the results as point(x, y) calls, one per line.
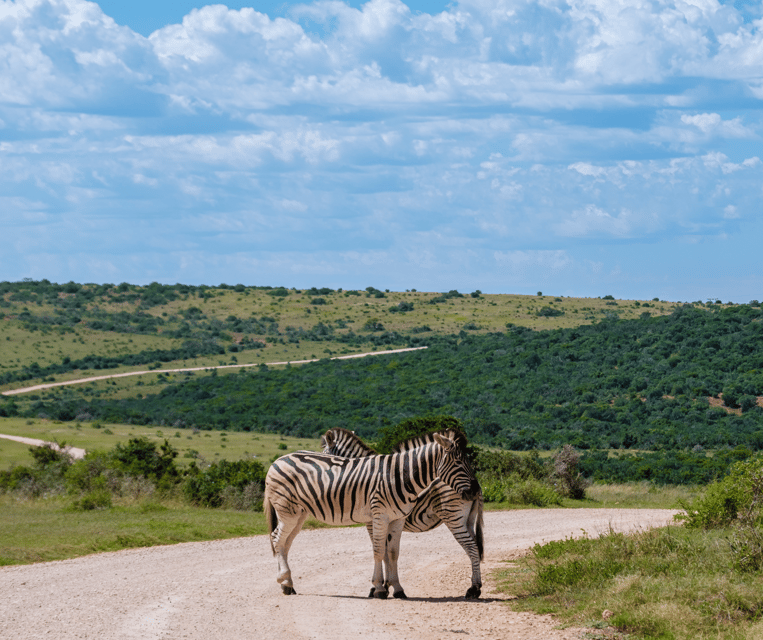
point(227, 588)
point(50, 385)
point(74, 452)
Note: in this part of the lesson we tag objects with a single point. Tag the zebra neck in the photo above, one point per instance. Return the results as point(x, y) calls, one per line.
point(427, 489)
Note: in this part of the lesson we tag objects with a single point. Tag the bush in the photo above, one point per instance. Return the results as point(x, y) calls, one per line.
point(45, 476)
point(498, 464)
point(566, 477)
point(227, 483)
point(390, 437)
point(140, 458)
point(517, 490)
point(738, 496)
point(98, 499)
point(86, 474)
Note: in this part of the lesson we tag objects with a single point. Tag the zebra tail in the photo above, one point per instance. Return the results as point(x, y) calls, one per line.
point(478, 528)
point(272, 519)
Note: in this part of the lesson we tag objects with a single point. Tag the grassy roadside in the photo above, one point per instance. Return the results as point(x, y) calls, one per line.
point(701, 580)
point(46, 529)
point(668, 583)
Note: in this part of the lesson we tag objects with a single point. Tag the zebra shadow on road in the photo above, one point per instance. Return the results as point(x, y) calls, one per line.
point(447, 599)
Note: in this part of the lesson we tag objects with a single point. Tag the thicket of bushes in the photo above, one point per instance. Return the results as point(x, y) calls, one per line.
point(734, 502)
point(136, 469)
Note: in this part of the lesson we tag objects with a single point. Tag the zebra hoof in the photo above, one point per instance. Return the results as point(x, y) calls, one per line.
point(288, 591)
point(400, 594)
point(371, 593)
point(381, 595)
point(472, 593)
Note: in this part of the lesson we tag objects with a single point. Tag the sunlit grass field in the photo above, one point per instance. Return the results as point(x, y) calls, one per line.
point(211, 445)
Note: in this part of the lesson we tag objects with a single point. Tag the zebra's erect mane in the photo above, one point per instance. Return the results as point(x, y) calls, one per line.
point(351, 435)
point(417, 441)
point(456, 435)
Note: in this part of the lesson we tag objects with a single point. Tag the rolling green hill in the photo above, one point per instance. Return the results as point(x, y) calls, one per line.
point(65, 331)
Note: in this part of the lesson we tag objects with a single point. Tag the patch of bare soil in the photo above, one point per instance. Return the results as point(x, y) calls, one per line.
point(227, 588)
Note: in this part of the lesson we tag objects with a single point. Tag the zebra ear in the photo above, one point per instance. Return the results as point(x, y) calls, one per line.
point(327, 439)
point(445, 442)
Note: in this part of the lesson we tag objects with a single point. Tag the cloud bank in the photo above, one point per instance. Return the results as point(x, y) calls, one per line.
point(502, 145)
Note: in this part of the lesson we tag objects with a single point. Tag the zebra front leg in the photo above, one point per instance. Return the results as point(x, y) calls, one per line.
point(289, 525)
point(370, 529)
point(379, 531)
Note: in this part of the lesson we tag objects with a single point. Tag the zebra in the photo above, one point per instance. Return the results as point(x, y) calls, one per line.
point(439, 504)
point(376, 490)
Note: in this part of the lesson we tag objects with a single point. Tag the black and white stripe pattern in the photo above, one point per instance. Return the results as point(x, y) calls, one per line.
point(439, 504)
point(376, 490)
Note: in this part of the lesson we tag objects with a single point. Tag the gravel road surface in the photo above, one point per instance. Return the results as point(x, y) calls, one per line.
point(227, 588)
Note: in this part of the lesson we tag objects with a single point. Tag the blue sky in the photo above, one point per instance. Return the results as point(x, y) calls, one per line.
point(578, 148)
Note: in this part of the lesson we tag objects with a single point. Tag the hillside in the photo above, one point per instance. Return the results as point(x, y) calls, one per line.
point(690, 380)
point(62, 331)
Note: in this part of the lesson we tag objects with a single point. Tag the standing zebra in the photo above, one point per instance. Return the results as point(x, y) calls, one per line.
point(377, 490)
point(440, 504)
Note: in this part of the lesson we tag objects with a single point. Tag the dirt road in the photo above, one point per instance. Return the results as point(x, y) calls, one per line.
point(227, 589)
point(65, 383)
point(74, 452)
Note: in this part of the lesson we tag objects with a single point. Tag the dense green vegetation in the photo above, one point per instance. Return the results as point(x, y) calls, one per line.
point(698, 581)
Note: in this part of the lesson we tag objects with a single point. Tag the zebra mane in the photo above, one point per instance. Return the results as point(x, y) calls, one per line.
point(347, 435)
point(454, 434)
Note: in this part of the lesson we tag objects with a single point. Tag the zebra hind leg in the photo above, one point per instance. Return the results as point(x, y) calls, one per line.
point(473, 592)
point(283, 536)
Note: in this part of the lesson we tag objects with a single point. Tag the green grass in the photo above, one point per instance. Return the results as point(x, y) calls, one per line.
point(669, 583)
point(212, 445)
point(635, 495)
point(42, 530)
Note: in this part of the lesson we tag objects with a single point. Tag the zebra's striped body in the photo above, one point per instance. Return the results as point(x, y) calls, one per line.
point(377, 490)
point(437, 505)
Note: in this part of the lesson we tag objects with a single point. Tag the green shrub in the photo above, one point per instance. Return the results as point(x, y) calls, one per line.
point(44, 477)
point(738, 496)
point(226, 483)
point(390, 437)
point(85, 474)
point(97, 499)
point(518, 490)
point(140, 458)
point(499, 464)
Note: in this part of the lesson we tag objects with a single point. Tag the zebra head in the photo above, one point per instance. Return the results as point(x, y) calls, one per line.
point(454, 468)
